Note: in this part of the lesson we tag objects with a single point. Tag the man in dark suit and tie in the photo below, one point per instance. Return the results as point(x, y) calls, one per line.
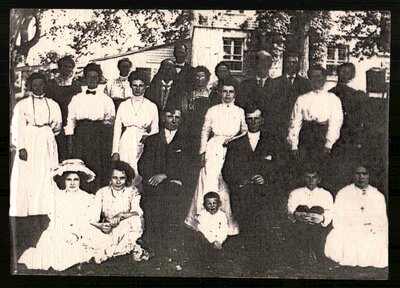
point(163, 168)
point(184, 71)
point(287, 88)
point(249, 172)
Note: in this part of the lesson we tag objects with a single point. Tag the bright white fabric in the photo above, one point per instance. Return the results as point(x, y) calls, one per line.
point(32, 185)
point(360, 228)
point(122, 239)
point(140, 118)
point(317, 197)
point(119, 88)
point(253, 139)
point(66, 241)
point(213, 227)
point(319, 106)
point(84, 106)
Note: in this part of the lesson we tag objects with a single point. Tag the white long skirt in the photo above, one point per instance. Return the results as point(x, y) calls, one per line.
point(32, 185)
point(210, 179)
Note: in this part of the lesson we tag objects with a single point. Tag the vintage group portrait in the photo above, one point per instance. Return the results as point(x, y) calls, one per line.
point(199, 143)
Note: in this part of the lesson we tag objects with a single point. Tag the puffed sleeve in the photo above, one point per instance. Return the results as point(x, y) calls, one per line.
point(154, 126)
point(71, 118)
point(56, 121)
point(18, 125)
point(296, 123)
point(292, 204)
point(117, 129)
point(135, 202)
point(109, 111)
point(335, 122)
point(205, 131)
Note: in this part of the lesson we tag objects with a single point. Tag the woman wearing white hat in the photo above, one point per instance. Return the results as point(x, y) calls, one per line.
point(64, 243)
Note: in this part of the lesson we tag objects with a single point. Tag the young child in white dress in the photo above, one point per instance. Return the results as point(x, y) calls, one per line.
point(212, 222)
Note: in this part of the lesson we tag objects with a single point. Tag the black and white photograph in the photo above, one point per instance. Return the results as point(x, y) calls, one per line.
point(199, 143)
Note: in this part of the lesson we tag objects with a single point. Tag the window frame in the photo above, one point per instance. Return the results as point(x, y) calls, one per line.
point(232, 55)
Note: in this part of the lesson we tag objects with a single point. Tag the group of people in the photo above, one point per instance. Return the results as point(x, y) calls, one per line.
point(175, 150)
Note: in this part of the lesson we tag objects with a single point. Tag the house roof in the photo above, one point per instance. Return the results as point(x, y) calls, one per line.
point(140, 50)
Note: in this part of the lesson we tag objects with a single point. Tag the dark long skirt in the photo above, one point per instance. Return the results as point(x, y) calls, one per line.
point(92, 143)
point(312, 139)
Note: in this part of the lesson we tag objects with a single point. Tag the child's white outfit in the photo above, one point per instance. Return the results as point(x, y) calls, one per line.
point(214, 227)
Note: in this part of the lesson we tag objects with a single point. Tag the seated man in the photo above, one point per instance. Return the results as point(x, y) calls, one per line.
point(162, 167)
point(248, 163)
point(310, 210)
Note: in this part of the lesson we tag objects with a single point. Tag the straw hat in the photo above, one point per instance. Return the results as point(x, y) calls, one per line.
point(74, 165)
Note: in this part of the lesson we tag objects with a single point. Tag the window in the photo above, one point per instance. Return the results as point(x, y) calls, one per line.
point(336, 55)
point(233, 53)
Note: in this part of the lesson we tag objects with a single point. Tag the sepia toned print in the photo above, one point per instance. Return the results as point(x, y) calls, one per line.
point(199, 143)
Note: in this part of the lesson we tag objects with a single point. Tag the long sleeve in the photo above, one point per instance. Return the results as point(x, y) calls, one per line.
point(154, 126)
point(109, 111)
point(56, 121)
point(117, 131)
point(71, 118)
point(205, 131)
point(335, 123)
point(96, 208)
point(18, 124)
point(292, 204)
point(296, 123)
point(135, 202)
point(243, 124)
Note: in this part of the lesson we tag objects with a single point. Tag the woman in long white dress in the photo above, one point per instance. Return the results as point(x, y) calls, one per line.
point(117, 214)
point(66, 241)
point(223, 123)
point(35, 122)
point(360, 227)
point(139, 117)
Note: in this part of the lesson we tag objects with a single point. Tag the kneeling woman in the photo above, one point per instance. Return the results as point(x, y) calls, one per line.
point(65, 243)
point(119, 216)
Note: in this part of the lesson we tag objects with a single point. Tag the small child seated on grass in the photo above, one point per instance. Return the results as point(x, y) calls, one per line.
point(213, 223)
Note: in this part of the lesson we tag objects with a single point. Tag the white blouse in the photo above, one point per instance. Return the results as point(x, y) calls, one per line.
point(316, 197)
point(222, 120)
point(136, 112)
point(83, 106)
point(320, 106)
point(213, 227)
point(34, 111)
point(119, 88)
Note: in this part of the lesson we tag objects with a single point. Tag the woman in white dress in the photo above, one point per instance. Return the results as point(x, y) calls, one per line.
point(139, 117)
point(65, 242)
point(223, 123)
point(117, 214)
point(360, 226)
point(35, 122)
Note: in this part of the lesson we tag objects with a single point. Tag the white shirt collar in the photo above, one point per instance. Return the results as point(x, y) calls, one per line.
point(169, 135)
point(37, 96)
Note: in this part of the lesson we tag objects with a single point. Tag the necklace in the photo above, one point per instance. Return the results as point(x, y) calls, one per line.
point(34, 113)
point(138, 108)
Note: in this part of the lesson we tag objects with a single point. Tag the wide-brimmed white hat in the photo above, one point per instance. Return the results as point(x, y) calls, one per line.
point(74, 165)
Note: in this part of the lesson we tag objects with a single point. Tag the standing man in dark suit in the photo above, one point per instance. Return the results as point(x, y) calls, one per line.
point(248, 170)
point(287, 88)
point(184, 71)
point(163, 168)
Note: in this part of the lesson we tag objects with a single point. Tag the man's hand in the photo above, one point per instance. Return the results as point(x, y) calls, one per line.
point(301, 216)
point(23, 154)
point(258, 179)
point(217, 245)
point(327, 151)
point(314, 218)
point(115, 157)
point(115, 220)
point(157, 179)
point(295, 154)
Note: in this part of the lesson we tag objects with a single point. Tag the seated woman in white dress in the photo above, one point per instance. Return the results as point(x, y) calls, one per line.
point(223, 123)
point(139, 117)
point(360, 226)
point(65, 242)
point(118, 215)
